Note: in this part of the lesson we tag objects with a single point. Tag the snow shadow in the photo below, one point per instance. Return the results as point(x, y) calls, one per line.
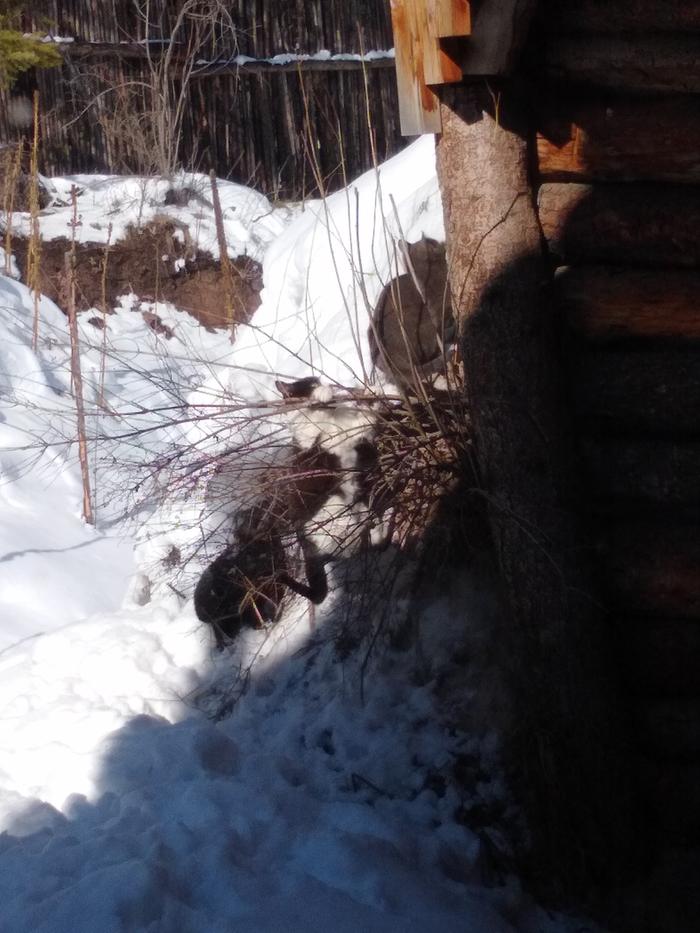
point(308, 809)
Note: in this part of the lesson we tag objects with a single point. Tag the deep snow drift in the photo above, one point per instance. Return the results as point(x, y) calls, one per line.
point(327, 800)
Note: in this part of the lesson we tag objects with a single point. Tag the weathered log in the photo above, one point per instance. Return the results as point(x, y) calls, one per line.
point(601, 16)
point(653, 568)
point(607, 303)
point(654, 62)
point(669, 728)
point(645, 391)
point(638, 472)
point(498, 280)
point(659, 657)
point(650, 225)
point(621, 139)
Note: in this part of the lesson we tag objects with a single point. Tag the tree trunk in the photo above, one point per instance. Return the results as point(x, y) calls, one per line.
point(566, 742)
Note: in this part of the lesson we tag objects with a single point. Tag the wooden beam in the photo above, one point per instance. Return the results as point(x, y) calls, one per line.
point(427, 53)
point(447, 18)
point(620, 16)
point(669, 63)
point(628, 139)
point(604, 303)
point(649, 225)
point(421, 59)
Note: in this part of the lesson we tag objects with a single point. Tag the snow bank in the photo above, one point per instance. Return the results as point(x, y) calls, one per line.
point(115, 201)
point(325, 272)
point(328, 799)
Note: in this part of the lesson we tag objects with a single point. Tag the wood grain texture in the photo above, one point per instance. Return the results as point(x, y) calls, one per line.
point(620, 139)
point(649, 225)
point(604, 303)
point(421, 60)
point(620, 16)
point(657, 62)
point(448, 18)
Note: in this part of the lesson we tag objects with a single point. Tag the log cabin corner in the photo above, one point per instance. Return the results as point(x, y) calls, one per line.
point(579, 122)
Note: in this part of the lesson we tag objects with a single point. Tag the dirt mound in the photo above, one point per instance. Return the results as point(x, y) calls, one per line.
point(156, 264)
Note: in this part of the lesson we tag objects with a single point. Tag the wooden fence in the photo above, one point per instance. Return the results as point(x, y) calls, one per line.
point(261, 124)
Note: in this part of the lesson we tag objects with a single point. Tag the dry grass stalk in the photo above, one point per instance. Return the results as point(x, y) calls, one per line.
point(34, 250)
point(226, 270)
point(9, 201)
point(103, 355)
point(76, 374)
point(77, 381)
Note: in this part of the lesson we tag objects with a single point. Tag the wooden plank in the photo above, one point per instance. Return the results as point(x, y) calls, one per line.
point(652, 569)
point(605, 303)
point(639, 472)
point(621, 16)
point(660, 657)
point(419, 107)
point(663, 63)
point(642, 392)
point(620, 139)
point(448, 18)
point(421, 59)
point(650, 225)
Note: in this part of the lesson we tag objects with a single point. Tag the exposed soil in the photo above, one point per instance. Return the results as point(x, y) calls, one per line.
point(144, 263)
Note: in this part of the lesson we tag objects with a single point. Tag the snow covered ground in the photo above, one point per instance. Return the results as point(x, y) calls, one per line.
point(327, 799)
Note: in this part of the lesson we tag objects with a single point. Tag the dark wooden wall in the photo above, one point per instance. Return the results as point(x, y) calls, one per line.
point(252, 127)
point(263, 27)
point(619, 203)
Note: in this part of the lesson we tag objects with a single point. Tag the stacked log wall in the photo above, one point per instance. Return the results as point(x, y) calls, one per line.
point(619, 201)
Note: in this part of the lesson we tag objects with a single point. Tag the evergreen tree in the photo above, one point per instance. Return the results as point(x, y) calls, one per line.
point(19, 52)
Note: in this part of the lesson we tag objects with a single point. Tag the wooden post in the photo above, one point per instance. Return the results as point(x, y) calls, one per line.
point(568, 754)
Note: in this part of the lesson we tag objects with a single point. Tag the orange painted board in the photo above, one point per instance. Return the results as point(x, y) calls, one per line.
point(421, 62)
point(449, 18)
point(419, 107)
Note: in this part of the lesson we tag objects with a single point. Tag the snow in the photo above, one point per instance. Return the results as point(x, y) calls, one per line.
point(108, 205)
point(325, 797)
point(290, 58)
point(327, 269)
